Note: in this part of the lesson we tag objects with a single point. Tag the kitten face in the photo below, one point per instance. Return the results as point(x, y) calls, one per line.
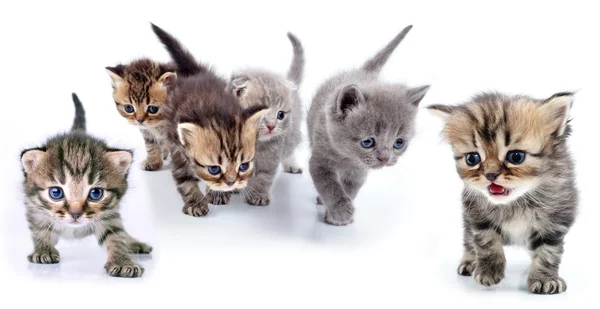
point(140, 91)
point(74, 180)
point(374, 124)
point(222, 157)
point(503, 145)
point(271, 91)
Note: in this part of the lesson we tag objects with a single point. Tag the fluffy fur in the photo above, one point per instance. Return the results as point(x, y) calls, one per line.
point(347, 109)
point(76, 164)
point(207, 129)
point(278, 138)
point(532, 202)
point(141, 86)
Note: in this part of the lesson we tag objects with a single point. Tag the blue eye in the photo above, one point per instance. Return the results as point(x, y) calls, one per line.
point(472, 158)
point(152, 109)
point(244, 166)
point(56, 193)
point(280, 115)
point(399, 143)
point(515, 156)
point(96, 194)
point(368, 143)
point(129, 108)
point(214, 169)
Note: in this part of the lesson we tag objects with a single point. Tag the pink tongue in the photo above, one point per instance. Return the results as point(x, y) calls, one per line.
point(494, 188)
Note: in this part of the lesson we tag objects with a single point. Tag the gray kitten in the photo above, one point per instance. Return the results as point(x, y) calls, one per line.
point(357, 123)
point(279, 132)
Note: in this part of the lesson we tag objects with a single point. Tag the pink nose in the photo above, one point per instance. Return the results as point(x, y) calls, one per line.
point(270, 128)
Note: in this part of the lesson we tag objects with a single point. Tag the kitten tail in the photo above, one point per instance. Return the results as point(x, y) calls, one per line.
point(185, 61)
point(79, 121)
point(296, 71)
point(375, 64)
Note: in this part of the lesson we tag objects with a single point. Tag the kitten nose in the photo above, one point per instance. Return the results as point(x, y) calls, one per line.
point(383, 156)
point(140, 120)
point(75, 214)
point(491, 176)
point(271, 128)
point(229, 182)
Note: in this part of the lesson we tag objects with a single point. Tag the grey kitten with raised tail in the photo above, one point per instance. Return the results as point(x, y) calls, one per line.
point(73, 185)
point(357, 123)
point(279, 132)
point(519, 182)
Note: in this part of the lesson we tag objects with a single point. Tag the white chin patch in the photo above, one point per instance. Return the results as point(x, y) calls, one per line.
point(512, 194)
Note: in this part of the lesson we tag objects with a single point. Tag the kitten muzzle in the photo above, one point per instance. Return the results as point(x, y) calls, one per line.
point(498, 190)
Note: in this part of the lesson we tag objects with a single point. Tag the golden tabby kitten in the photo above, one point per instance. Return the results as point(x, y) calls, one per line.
point(140, 92)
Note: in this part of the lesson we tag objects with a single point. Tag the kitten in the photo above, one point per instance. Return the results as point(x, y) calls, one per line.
point(357, 123)
point(73, 185)
point(211, 136)
point(511, 153)
point(140, 93)
point(279, 132)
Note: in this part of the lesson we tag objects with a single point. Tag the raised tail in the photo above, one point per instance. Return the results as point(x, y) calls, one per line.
point(79, 121)
point(186, 63)
point(375, 64)
point(296, 71)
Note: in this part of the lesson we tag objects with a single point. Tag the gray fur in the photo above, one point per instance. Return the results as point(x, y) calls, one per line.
point(347, 108)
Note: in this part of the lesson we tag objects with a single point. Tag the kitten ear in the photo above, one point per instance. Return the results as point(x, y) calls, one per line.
point(185, 131)
point(239, 85)
point(115, 74)
point(168, 79)
point(349, 97)
point(30, 159)
point(556, 110)
point(121, 159)
point(254, 115)
point(417, 94)
point(441, 111)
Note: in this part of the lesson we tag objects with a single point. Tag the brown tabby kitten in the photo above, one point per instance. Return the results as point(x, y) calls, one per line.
point(211, 136)
point(140, 92)
point(511, 153)
point(73, 184)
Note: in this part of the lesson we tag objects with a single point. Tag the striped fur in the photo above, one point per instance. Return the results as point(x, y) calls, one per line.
point(77, 163)
point(541, 203)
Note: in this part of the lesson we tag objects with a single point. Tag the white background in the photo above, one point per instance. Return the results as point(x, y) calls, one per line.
point(405, 244)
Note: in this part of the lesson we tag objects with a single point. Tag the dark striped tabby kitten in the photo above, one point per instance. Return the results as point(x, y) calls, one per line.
point(511, 153)
point(140, 92)
point(211, 136)
point(73, 184)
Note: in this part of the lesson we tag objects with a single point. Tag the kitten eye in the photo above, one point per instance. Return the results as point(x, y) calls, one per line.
point(515, 156)
point(244, 166)
point(472, 158)
point(214, 169)
point(152, 109)
point(56, 193)
point(399, 143)
point(96, 194)
point(129, 108)
point(368, 143)
point(280, 115)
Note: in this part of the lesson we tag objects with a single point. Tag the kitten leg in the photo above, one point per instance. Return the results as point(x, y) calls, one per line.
point(154, 158)
point(291, 166)
point(467, 263)
point(490, 261)
point(259, 186)
point(353, 180)
point(44, 240)
point(138, 247)
point(218, 197)
point(547, 254)
point(339, 208)
point(165, 151)
point(195, 203)
point(113, 237)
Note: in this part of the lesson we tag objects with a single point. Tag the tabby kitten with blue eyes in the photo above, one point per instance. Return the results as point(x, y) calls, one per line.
point(519, 183)
point(357, 123)
point(73, 185)
point(140, 92)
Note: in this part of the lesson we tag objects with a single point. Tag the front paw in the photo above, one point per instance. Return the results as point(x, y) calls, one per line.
point(257, 199)
point(218, 198)
point(488, 275)
point(140, 248)
point(340, 214)
point(152, 165)
point(552, 285)
point(126, 269)
point(196, 209)
point(292, 169)
point(466, 268)
point(44, 256)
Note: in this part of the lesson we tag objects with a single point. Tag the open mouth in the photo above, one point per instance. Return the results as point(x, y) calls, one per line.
point(495, 189)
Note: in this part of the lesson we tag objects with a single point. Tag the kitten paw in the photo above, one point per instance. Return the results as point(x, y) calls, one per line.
point(152, 165)
point(340, 214)
point(319, 200)
point(489, 275)
point(218, 198)
point(124, 269)
point(165, 153)
point(466, 268)
point(552, 285)
point(140, 248)
point(196, 210)
point(45, 256)
point(258, 200)
point(292, 169)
